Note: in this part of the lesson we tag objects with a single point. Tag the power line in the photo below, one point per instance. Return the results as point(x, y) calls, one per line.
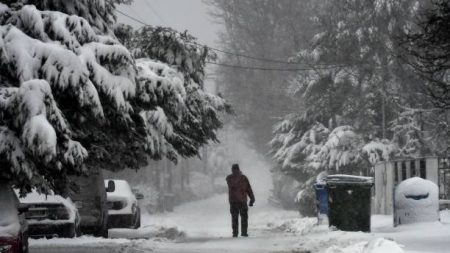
point(247, 56)
point(134, 12)
point(155, 12)
point(276, 69)
point(216, 49)
point(312, 67)
point(132, 18)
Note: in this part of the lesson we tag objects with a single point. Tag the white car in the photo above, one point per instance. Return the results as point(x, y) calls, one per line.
point(123, 208)
point(51, 216)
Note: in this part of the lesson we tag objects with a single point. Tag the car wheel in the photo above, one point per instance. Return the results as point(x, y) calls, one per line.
point(71, 232)
point(78, 232)
point(102, 231)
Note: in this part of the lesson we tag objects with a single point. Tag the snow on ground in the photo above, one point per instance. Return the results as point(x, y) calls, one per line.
point(420, 237)
point(204, 226)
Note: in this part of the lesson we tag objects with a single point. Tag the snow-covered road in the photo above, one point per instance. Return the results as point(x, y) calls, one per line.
point(204, 227)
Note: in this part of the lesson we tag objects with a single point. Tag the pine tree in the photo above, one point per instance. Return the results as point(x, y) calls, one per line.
point(427, 49)
point(357, 87)
point(198, 118)
point(74, 99)
point(62, 80)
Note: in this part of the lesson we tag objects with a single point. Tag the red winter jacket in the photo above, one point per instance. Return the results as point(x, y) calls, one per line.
point(238, 188)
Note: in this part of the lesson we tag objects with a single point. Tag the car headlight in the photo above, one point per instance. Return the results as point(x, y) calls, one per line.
point(133, 208)
point(5, 248)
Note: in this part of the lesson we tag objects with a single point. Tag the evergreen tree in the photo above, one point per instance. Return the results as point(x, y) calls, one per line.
point(357, 87)
point(427, 49)
point(62, 80)
point(73, 98)
point(199, 119)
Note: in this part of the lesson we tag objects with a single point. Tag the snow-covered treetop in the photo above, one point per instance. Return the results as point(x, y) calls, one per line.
point(161, 89)
point(73, 97)
point(356, 90)
point(98, 13)
point(176, 49)
point(197, 120)
point(53, 63)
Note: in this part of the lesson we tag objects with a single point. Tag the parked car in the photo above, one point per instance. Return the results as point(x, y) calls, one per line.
point(13, 225)
point(123, 208)
point(89, 195)
point(51, 215)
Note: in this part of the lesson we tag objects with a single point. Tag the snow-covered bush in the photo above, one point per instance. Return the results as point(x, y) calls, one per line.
point(342, 147)
point(306, 200)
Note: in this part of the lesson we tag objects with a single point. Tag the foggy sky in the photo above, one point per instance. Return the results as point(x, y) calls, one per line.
point(191, 15)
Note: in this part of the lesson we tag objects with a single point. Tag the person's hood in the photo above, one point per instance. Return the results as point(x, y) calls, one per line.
point(236, 173)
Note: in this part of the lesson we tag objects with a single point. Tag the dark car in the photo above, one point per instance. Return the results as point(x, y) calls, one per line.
point(50, 215)
point(89, 195)
point(124, 211)
point(13, 225)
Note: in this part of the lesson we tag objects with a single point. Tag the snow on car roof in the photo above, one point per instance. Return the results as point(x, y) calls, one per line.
point(38, 198)
point(9, 219)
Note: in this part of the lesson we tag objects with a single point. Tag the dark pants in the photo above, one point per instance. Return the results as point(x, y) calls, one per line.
point(237, 209)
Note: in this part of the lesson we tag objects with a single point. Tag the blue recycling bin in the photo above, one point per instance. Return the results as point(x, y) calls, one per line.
point(321, 201)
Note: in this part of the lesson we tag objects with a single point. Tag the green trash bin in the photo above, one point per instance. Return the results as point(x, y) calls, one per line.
point(349, 200)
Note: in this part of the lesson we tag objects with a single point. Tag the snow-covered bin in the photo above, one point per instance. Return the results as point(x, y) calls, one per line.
point(349, 200)
point(416, 200)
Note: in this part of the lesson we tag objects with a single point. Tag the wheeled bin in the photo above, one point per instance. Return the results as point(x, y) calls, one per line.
point(349, 200)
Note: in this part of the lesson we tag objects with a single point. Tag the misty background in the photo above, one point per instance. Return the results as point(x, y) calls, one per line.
point(316, 87)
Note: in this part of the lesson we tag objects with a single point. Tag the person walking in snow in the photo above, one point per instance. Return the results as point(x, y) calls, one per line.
point(238, 190)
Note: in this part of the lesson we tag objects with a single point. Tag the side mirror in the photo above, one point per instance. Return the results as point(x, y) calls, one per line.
point(22, 208)
point(111, 186)
point(139, 195)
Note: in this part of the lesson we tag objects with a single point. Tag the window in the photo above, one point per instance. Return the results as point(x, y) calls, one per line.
point(403, 171)
point(412, 169)
point(395, 172)
point(423, 169)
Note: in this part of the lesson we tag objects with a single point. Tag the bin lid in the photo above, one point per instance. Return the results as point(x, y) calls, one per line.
point(340, 179)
